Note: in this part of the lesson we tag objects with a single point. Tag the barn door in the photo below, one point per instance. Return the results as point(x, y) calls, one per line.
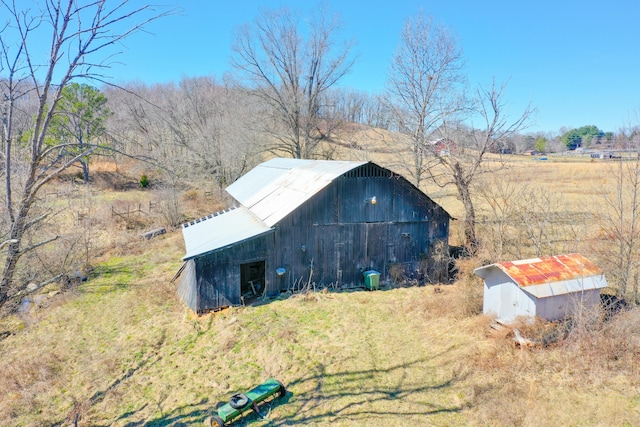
point(344, 264)
point(252, 280)
point(376, 248)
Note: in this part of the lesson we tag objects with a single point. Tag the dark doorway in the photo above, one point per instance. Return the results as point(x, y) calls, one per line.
point(252, 280)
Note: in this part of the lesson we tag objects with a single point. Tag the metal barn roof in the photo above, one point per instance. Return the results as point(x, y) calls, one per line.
point(548, 276)
point(220, 230)
point(275, 188)
point(267, 193)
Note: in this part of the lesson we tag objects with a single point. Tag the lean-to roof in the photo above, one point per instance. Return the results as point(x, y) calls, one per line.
point(220, 230)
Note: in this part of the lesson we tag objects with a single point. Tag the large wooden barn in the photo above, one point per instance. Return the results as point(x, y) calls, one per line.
point(312, 221)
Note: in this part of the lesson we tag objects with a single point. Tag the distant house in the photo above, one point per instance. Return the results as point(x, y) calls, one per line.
point(443, 147)
point(603, 155)
point(312, 221)
point(550, 287)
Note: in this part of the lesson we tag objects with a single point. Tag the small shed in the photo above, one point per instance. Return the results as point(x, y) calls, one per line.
point(550, 288)
point(298, 222)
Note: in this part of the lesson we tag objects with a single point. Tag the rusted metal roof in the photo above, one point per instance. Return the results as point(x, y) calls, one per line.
point(275, 188)
point(536, 271)
point(548, 276)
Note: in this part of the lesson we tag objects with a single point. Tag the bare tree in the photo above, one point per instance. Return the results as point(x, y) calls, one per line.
point(521, 219)
point(619, 219)
point(464, 159)
point(354, 106)
point(289, 69)
point(209, 121)
point(424, 89)
point(197, 127)
point(82, 36)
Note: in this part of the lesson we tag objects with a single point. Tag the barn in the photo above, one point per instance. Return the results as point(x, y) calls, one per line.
point(324, 222)
point(550, 288)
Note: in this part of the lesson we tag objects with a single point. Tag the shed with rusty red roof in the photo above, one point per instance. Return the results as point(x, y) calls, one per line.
point(550, 287)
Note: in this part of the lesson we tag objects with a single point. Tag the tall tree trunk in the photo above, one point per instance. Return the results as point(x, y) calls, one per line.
point(469, 223)
point(85, 171)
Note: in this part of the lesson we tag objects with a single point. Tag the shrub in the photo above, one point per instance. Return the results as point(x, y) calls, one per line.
point(191, 195)
point(144, 181)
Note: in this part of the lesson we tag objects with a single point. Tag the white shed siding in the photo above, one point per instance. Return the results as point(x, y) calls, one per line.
point(563, 306)
point(504, 299)
point(492, 293)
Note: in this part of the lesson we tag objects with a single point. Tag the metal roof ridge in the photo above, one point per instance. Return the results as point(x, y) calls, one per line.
point(206, 217)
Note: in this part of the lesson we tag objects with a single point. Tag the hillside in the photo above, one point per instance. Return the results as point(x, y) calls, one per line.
point(121, 350)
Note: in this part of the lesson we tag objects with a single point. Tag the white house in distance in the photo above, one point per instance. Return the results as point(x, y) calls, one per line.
point(549, 287)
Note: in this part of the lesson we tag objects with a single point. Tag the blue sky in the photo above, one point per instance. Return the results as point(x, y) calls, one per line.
point(577, 62)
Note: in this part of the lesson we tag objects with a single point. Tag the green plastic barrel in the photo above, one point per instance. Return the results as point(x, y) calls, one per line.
point(371, 280)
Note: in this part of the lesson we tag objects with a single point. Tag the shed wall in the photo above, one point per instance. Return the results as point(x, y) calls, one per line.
point(559, 307)
point(188, 285)
point(504, 299)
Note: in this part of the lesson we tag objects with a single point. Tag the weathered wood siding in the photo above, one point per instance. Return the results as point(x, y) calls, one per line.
point(188, 285)
point(218, 273)
point(334, 237)
point(340, 233)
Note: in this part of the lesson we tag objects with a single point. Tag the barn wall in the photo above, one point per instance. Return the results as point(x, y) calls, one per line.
point(340, 233)
point(218, 273)
point(334, 237)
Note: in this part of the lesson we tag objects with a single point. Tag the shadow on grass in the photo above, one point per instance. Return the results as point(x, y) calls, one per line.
point(81, 407)
point(109, 277)
point(331, 397)
point(362, 396)
point(187, 415)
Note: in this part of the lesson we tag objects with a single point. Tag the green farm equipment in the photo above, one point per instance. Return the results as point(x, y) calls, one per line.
point(243, 402)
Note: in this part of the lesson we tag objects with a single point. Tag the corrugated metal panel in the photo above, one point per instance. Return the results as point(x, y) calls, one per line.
point(221, 230)
point(567, 286)
point(274, 189)
point(548, 276)
point(538, 271)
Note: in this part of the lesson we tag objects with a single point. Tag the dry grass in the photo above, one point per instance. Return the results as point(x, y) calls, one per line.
point(121, 350)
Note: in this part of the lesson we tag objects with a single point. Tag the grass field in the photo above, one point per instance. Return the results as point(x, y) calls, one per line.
point(121, 350)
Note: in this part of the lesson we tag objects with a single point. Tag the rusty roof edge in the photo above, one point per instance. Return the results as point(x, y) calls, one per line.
point(562, 287)
point(591, 271)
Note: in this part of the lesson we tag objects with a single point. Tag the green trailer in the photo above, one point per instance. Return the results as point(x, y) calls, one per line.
point(243, 402)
